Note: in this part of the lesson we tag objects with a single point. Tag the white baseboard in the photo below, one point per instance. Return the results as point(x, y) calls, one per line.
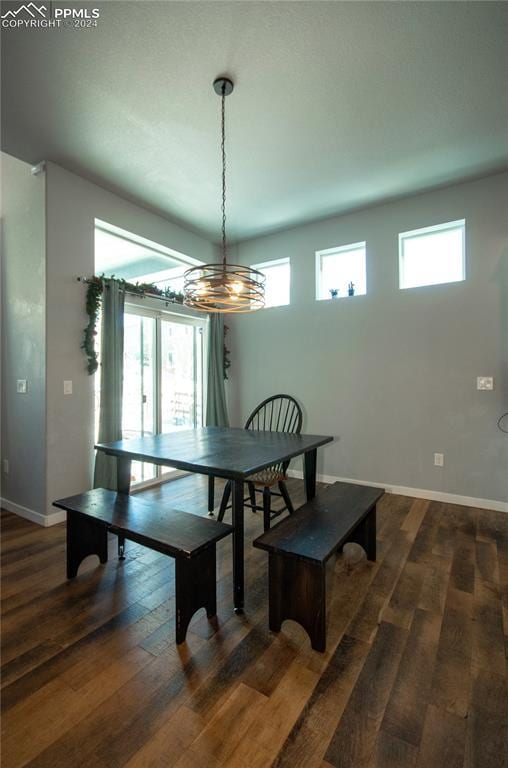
point(419, 493)
point(35, 517)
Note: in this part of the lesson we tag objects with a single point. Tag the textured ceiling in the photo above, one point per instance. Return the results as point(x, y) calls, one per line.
point(337, 104)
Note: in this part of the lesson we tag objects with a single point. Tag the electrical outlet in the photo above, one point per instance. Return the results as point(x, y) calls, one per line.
point(439, 459)
point(21, 386)
point(68, 387)
point(5, 466)
point(484, 382)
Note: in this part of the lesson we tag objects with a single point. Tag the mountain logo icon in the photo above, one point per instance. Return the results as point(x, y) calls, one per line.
point(35, 11)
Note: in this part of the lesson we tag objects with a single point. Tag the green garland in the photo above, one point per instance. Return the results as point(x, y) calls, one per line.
point(93, 305)
point(227, 352)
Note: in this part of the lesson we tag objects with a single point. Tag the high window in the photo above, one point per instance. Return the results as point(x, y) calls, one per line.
point(341, 271)
point(278, 278)
point(136, 259)
point(432, 255)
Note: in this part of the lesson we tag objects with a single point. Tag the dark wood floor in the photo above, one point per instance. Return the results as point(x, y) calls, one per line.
point(414, 675)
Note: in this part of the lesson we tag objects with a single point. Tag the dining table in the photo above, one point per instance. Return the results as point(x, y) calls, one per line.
point(220, 452)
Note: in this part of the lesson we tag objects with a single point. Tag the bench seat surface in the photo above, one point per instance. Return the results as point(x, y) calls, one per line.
point(315, 530)
point(176, 533)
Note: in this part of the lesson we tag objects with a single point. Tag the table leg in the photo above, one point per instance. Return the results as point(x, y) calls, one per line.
point(211, 494)
point(237, 515)
point(123, 475)
point(309, 473)
point(123, 484)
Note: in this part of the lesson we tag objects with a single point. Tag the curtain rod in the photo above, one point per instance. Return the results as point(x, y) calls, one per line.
point(139, 295)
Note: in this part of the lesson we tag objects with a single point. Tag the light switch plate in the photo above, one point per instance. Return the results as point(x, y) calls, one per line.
point(68, 387)
point(439, 459)
point(21, 386)
point(484, 382)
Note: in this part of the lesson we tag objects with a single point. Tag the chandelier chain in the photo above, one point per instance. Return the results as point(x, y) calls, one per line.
point(223, 287)
point(223, 150)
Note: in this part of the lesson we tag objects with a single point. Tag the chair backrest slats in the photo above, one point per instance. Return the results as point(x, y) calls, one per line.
point(286, 426)
point(279, 413)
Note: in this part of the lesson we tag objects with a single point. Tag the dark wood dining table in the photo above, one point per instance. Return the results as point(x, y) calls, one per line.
point(231, 454)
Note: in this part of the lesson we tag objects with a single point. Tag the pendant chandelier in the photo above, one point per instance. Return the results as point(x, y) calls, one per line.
point(224, 287)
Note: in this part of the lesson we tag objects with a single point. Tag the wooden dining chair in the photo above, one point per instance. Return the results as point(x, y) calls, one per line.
point(279, 413)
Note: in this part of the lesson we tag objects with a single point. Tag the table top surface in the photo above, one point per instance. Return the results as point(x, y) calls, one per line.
point(221, 451)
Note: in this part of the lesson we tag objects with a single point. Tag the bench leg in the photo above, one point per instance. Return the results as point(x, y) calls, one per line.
point(195, 579)
point(84, 537)
point(365, 535)
point(297, 591)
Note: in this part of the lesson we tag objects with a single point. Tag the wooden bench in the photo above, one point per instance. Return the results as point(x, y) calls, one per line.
point(301, 544)
point(189, 539)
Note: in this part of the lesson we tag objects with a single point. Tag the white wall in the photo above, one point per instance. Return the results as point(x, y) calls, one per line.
point(49, 242)
point(23, 309)
point(392, 374)
point(72, 206)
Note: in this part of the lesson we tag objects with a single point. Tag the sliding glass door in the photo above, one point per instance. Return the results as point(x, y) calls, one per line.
point(162, 379)
point(139, 412)
point(163, 350)
point(181, 376)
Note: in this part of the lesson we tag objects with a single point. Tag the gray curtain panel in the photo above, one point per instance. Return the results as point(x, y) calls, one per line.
point(216, 408)
point(110, 416)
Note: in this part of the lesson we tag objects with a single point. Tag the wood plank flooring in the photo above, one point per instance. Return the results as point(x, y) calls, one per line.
point(414, 675)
